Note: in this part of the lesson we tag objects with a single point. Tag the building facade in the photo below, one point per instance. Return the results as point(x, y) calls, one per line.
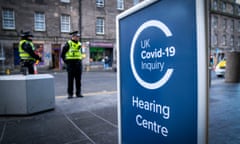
point(51, 21)
point(224, 27)
point(98, 28)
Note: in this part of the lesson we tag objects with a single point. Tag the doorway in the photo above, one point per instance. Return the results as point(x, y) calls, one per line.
point(56, 50)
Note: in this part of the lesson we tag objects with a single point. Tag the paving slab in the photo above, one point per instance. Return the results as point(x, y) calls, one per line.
point(88, 120)
point(49, 127)
point(224, 113)
point(93, 119)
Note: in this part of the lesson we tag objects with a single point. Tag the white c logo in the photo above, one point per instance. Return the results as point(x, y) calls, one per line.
point(167, 75)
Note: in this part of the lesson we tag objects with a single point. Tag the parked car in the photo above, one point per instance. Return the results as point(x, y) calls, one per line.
point(220, 68)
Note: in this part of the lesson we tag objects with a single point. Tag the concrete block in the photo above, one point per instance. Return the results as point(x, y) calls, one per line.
point(232, 74)
point(21, 95)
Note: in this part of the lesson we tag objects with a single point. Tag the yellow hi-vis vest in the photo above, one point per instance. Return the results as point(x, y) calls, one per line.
point(23, 54)
point(74, 52)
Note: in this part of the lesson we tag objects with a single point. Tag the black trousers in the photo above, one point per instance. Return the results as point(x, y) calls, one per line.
point(27, 65)
point(74, 75)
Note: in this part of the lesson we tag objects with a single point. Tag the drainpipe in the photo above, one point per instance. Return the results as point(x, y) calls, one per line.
point(80, 19)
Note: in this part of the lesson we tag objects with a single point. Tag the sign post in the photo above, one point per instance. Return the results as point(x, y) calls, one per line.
point(162, 77)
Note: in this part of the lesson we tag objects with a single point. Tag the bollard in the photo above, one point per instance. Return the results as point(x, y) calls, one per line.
point(7, 72)
point(232, 74)
point(35, 69)
point(24, 70)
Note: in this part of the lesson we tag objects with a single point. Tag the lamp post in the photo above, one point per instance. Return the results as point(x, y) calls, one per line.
point(86, 54)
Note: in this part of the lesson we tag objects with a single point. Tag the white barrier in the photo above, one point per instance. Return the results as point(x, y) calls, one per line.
point(20, 94)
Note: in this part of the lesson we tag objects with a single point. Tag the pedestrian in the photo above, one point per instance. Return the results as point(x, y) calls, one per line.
point(106, 62)
point(26, 53)
point(72, 57)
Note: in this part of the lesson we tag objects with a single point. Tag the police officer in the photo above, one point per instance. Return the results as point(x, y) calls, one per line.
point(72, 57)
point(26, 53)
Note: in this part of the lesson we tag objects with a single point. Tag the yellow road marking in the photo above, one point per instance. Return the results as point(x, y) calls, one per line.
point(92, 94)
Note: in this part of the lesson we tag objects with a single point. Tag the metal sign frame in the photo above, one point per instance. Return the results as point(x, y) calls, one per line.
point(202, 66)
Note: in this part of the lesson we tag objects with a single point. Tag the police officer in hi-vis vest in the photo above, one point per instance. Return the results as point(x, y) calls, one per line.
point(26, 52)
point(72, 57)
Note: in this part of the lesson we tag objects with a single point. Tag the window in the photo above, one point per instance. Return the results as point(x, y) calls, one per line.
point(215, 5)
point(238, 1)
point(232, 40)
point(224, 40)
point(231, 8)
point(100, 26)
point(214, 22)
point(238, 10)
point(224, 6)
point(100, 3)
point(120, 4)
point(65, 23)
point(135, 2)
point(232, 26)
point(238, 42)
point(238, 26)
point(215, 40)
point(224, 25)
point(39, 22)
point(65, 1)
point(8, 19)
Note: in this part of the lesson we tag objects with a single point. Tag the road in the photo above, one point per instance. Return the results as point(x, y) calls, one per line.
point(93, 83)
point(223, 106)
point(93, 119)
point(88, 120)
point(224, 112)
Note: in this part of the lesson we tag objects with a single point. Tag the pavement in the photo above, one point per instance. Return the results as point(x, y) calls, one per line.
point(88, 120)
point(224, 112)
point(93, 119)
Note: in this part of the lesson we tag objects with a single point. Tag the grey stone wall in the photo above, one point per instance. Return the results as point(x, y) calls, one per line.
point(24, 11)
point(83, 18)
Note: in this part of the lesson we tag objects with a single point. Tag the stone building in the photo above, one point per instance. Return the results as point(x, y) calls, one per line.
point(98, 25)
point(224, 27)
point(51, 21)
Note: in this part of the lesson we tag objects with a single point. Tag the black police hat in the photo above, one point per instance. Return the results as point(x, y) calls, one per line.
point(75, 33)
point(26, 34)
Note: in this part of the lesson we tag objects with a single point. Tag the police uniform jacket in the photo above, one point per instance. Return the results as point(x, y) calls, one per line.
point(72, 52)
point(26, 50)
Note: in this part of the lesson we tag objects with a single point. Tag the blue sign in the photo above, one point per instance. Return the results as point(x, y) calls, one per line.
point(158, 73)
